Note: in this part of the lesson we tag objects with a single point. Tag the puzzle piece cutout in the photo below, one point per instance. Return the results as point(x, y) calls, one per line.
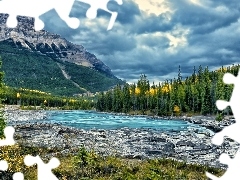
point(44, 170)
point(18, 176)
point(101, 4)
point(4, 167)
point(35, 8)
point(8, 141)
point(232, 130)
point(235, 98)
point(232, 172)
point(229, 131)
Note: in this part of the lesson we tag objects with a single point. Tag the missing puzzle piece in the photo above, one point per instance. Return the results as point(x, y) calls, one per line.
point(232, 172)
point(44, 170)
point(101, 4)
point(235, 98)
point(8, 133)
point(3, 165)
point(35, 8)
point(232, 130)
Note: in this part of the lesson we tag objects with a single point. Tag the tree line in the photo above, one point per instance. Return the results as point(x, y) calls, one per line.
point(196, 94)
point(28, 98)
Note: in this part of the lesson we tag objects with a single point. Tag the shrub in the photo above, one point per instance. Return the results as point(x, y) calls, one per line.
point(219, 117)
point(2, 122)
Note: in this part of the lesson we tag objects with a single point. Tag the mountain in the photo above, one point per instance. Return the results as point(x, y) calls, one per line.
point(47, 62)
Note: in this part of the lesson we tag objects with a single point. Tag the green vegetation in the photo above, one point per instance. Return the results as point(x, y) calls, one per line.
point(2, 120)
point(38, 82)
point(86, 164)
point(35, 99)
point(32, 70)
point(82, 76)
point(219, 117)
point(196, 94)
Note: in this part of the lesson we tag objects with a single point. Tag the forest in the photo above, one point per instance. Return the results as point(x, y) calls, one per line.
point(33, 70)
point(196, 94)
point(35, 99)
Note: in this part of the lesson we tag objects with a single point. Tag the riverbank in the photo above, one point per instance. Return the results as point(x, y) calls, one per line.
point(190, 146)
point(208, 122)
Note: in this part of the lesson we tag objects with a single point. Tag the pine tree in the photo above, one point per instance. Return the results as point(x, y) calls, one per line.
point(2, 119)
point(206, 97)
point(126, 98)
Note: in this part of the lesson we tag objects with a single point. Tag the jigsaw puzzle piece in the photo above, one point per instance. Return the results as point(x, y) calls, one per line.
point(101, 4)
point(221, 104)
point(232, 172)
point(63, 8)
point(35, 8)
point(231, 131)
point(235, 98)
point(228, 78)
point(8, 133)
point(18, 176)
point(44, 170)
point(3, 165)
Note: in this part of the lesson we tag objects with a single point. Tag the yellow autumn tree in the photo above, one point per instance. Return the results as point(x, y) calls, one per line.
point(137, 90)
point(18, 95)
point(153, 91)
point(166, 88)
point(176, 110)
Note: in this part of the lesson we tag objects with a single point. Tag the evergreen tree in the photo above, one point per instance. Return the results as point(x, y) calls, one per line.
point(126, 98)
point(2, 119)
point(197, 93)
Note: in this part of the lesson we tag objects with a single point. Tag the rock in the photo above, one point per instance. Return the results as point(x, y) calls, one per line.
point(185, 143)
point(202, 147)
point(129, 143)
point(48, 43)
point(156, 139)
point(102, 135)
point(134, 156)
point(154, 152)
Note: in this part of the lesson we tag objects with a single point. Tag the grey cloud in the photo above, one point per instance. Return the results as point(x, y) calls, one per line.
point(203, 20)
point(153, 23)
point(127, 12)
point(154, 41)
point(132, 48)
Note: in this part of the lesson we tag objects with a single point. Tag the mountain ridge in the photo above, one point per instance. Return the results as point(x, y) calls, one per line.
point(90, 74)
point(48, 43)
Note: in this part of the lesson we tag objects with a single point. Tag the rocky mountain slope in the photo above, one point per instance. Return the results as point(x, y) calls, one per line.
point(54, 49)
point(48, 43)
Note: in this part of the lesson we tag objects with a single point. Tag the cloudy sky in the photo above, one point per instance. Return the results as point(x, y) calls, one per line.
point(154, 37)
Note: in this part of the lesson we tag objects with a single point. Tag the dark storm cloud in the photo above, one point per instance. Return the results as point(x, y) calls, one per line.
point(204, 19)
point(154, 42)
point(54, 24)
point(127, 12)
point(153, 23)
point(141, 43)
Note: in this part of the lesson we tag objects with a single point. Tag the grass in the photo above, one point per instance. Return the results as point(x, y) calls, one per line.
point(89, 165)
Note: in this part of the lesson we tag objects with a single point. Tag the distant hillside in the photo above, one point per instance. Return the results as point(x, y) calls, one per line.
point(45, 61)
